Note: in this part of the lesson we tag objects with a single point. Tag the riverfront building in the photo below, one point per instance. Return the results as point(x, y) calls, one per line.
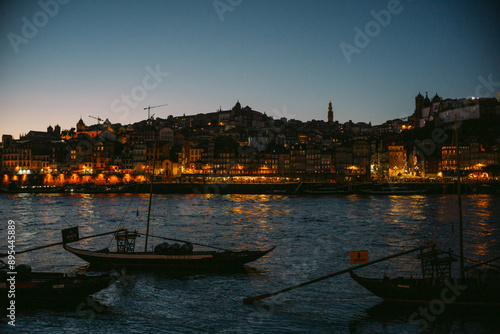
point(250, 145)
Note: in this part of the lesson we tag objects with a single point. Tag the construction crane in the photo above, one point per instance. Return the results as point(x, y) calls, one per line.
point(149, 107)
point(97, 118)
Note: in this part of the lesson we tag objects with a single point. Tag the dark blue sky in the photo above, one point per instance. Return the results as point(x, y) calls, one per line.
point(283, 57)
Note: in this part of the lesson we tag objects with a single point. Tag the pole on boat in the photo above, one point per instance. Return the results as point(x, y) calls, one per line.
point(60, 243)
point(460, 220)
point(250, 300)
point(151, 191)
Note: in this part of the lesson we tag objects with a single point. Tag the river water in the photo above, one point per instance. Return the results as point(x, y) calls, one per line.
point(314, 236)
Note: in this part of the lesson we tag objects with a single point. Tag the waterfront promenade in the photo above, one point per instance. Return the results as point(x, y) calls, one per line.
point(283, 188)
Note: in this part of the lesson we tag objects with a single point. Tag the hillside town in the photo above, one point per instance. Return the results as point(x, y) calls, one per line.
point(242, 145)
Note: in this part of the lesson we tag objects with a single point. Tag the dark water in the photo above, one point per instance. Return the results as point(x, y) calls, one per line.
point(314, 236)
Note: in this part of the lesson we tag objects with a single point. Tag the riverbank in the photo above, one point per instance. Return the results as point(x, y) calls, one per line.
point(291, 188)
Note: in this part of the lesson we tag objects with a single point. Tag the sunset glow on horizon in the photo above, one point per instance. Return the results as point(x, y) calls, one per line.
point(62, 60)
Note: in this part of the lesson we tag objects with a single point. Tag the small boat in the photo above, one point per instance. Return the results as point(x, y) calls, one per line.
point(478, 287)
point(28, 289)
point(169, 259)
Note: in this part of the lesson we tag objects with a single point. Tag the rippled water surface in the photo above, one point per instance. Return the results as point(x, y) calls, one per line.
point(314, 236)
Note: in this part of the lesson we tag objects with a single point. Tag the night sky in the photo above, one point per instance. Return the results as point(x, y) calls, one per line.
point(288, 58)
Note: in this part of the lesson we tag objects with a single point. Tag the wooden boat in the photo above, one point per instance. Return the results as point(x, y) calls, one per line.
point(170, 259)
point(48, 289)
point(437, 284)
point(183, 262)
point(479, 288)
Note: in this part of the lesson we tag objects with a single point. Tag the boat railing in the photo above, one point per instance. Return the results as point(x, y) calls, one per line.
point(436, 264)
point(125, 241)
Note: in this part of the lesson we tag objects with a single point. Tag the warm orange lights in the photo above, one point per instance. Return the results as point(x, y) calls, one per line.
point(113, 179)
point(127, 178)
point(100, 179)
point(74, 179)
point(5, 180)
point(48, 180)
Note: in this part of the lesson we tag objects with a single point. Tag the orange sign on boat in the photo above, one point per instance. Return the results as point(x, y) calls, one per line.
point(359, 257)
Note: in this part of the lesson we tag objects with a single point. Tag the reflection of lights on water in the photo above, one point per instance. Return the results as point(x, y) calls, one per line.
point(481, 226)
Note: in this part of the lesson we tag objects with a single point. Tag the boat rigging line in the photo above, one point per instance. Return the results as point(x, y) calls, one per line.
point(120, 222)
point(62, 242)
point(482, 263)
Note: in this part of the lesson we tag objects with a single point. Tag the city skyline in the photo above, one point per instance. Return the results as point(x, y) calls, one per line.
point(62, 60)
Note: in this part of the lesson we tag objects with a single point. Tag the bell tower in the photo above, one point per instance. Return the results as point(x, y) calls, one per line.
point(80, 126)
point(330, 112)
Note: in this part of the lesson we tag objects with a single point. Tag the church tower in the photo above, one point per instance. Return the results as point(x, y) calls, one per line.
point(80, 126)
point(330, 113)
point(419, 105)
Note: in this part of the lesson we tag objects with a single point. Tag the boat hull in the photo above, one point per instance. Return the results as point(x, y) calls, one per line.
point(48, 290)
point(194, 262)
point(450, 291)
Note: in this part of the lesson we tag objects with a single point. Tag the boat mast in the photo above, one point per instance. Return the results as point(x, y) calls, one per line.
point(150, 191)
point(460, 220)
